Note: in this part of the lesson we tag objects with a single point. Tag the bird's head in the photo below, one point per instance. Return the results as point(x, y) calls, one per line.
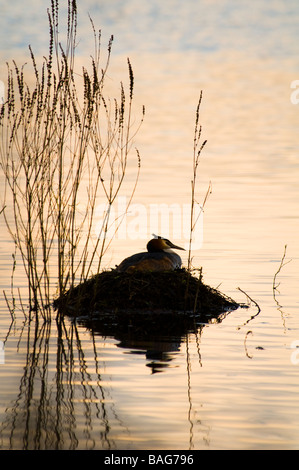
point(161, 244)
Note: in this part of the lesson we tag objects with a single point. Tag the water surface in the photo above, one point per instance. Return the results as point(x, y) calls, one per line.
point(226, 385)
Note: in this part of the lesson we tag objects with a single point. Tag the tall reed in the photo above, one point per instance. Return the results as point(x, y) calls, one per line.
point(64, 148)
point(197, 149)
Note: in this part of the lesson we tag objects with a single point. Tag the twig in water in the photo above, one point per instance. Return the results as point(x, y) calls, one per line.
point(254, 302)
point(245, 345)
point(275, 286)
point(282, 263)
point(249, 332)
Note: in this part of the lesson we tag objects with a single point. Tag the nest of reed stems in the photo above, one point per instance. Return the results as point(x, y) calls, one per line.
point(115, 294)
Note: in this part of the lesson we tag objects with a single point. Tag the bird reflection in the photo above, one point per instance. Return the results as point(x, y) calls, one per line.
point(157, 336)
point(159, 353)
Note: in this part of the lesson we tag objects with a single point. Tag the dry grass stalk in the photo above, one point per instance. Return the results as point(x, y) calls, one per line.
point(61, 155)
point(197, 149)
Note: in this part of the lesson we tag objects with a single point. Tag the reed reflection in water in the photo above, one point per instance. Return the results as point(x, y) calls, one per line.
point(58, 386)
point(65, 396)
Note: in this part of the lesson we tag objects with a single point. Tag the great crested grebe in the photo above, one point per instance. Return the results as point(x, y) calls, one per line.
point(158, 257)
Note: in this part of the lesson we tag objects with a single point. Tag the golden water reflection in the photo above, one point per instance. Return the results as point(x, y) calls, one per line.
point(230, 385)
point(65, 396)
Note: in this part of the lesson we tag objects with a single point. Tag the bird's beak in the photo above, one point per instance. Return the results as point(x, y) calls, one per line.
point(177, 247)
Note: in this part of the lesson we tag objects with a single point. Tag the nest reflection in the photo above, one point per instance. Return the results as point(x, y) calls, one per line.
point(64, 399)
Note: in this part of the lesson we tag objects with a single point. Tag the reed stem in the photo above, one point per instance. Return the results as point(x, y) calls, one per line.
point(64, 149)
point(197, 150)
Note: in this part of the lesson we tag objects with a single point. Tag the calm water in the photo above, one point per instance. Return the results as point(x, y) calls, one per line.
point(227, 385)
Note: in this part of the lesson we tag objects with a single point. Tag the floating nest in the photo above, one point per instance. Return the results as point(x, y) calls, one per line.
point(114, 293)
point(142, 309)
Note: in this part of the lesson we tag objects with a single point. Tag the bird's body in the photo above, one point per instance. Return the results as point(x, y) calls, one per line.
point(158, 257)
